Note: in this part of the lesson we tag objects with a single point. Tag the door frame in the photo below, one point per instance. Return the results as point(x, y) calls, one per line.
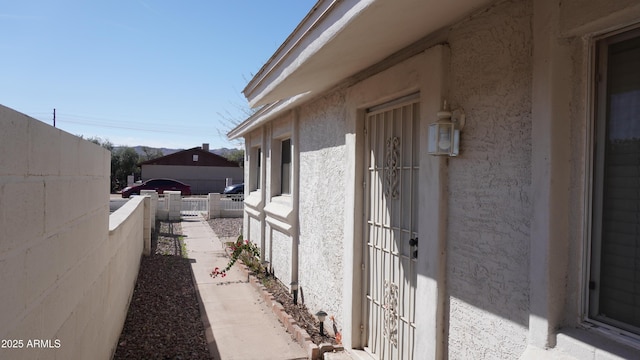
point(392, 105)
point(426, 73)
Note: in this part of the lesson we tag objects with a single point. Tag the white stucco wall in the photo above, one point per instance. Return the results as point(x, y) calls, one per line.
point(514, 210)
point(254, 231)
point(280, 250)
point(322, 196)
point(64, 276)
point(489, 184)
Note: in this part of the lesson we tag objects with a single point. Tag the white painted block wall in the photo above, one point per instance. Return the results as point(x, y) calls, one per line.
point(64, 276)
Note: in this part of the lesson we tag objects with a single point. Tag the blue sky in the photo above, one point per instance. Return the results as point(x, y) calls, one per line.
point(139, 72)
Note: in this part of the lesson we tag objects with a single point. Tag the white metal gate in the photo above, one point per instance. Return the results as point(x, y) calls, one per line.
point(194, 206)
point(390, 233)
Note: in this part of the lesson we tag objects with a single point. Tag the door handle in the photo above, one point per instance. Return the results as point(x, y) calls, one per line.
point(414, 243)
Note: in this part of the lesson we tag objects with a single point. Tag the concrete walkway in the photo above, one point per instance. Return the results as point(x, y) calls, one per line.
point(238, 323)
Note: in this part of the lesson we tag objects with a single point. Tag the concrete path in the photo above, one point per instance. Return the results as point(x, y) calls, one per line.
point(238, 323)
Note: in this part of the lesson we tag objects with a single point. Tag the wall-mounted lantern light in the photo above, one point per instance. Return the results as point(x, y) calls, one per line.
point(444, 134)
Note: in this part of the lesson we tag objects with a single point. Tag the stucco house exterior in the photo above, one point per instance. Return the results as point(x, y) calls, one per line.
point(525, 245)
point(205, 171)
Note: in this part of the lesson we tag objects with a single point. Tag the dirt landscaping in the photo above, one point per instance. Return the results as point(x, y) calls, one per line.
point(163, 321)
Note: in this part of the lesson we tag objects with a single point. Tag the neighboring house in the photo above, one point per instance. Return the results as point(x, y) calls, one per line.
point(205, 171)
point(526, 245)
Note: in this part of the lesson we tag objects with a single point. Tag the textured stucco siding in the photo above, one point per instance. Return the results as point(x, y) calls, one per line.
point(489, 184)
point(281, 252)
point(322, 193)
point(482, 336)
point(253, 231)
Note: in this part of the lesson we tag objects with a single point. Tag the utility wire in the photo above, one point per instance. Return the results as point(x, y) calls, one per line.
point(62, 118)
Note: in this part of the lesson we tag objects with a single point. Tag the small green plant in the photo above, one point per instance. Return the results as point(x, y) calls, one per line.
point(245, 249)
point(183, 247)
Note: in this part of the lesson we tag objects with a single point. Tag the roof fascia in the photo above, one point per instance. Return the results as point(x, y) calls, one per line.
point(266, 114)
point(325, 20)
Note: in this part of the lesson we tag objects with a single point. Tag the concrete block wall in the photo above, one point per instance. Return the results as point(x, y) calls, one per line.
point(215, 207)
point(150, 218)
point(174, 204)
point(65, 280)
point(154, 205)
point(127, 234)
point(169, 209)
point(218, 210)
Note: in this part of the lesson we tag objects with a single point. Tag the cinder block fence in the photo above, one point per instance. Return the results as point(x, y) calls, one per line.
point(67, 268)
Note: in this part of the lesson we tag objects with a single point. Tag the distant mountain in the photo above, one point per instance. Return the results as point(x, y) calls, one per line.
point(223, 151)
point(138, 149)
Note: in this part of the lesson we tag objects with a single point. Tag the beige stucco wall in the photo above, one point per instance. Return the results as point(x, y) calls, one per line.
point(279, 248)
point(322, 196)
point(503, 248)
point(203, 179)
point(271, 219)
point(66, 269)
point(489, 196)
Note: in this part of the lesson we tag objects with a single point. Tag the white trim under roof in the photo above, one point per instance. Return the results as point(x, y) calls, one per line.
point(266, 114)
point(339, 38)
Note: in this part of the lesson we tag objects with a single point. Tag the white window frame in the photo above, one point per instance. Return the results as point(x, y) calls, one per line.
point(594, 195)
point(282, 174)
point(256, 164)
point(276, 169)
point(279, 207)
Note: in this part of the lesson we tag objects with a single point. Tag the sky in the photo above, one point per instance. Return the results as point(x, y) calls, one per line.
point(157, 73)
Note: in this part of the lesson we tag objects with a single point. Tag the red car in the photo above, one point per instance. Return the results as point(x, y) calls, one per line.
point(159, 185)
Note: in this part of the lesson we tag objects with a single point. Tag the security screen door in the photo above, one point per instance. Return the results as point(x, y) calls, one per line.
point(390, 233)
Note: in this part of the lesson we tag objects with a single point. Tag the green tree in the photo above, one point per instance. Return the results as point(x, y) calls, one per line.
point(150, 153)
point(98, 141)
point(236, 155)
point(114, 159)
point(124, 162)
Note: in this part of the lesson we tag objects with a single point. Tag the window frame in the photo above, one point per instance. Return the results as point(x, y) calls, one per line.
point(595, 188)
point(256, 168)
point(283, 143)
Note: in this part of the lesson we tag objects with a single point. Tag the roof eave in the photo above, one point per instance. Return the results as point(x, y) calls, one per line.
point(266, 114)
point(340, 38)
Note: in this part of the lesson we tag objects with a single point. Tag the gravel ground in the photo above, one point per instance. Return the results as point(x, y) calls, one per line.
point(227, 229)
point(163, 321)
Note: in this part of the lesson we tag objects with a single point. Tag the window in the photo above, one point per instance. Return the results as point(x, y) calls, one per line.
point(256, 168)
point(285, 168)
point(614, 284)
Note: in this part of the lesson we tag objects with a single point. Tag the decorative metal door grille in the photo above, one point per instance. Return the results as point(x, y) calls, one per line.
point(391, 206)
